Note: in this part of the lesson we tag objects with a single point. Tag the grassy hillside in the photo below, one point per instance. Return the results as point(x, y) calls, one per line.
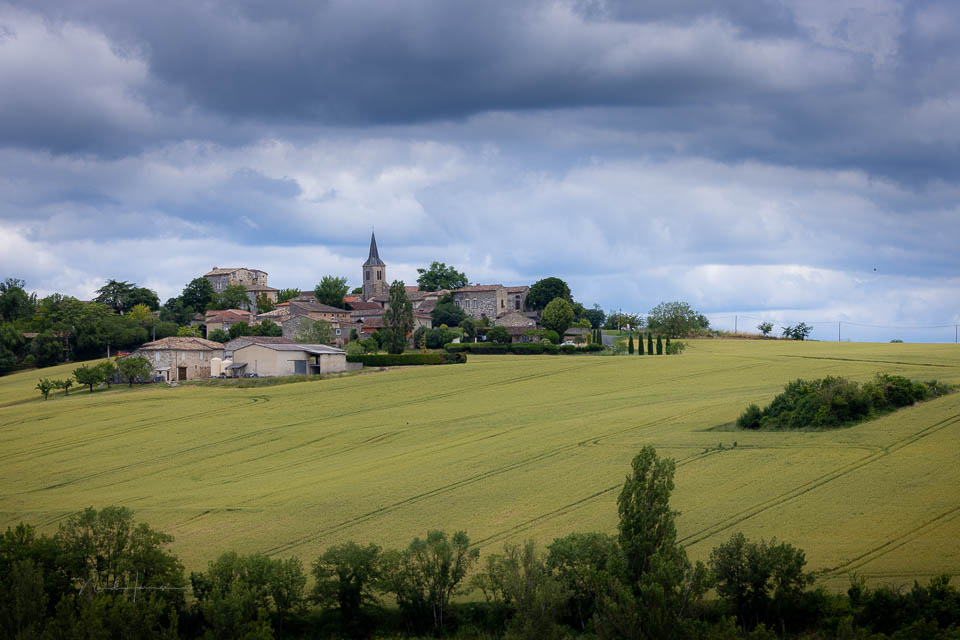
point(507, 448)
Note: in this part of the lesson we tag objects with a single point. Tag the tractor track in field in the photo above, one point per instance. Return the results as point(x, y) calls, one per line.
point(458, 484)
point(894, 543)
point(909, 364)
point(567, 508)
point(816, 483)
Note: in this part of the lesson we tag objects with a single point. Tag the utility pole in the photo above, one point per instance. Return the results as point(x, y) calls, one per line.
point(735, 318)
point(838, 331)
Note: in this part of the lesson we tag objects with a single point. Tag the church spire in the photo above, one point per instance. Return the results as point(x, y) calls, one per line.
point(373, 260)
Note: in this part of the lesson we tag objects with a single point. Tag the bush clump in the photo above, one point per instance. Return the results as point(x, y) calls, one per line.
point(833, 402)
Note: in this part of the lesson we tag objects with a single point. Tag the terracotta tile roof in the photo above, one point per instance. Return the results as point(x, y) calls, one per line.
point(315, 307)
point(177, 343)
point(365, 306)
point(259, 287)
point(228, 315)
point(276, 313)
point(515, 319)
point(518, 289)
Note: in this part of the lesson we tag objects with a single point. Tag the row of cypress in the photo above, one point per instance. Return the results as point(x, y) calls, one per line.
point(650, 347)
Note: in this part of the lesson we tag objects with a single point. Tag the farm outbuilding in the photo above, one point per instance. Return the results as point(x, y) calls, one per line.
point(278, 359)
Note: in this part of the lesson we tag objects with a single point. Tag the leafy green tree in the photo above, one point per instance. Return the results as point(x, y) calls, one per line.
point(64, 384)
point(269, 328)
point(237, 593)
point(107, 548)
point(347, 576)
point(799, 332)
point(265, 304)
point(765, 328)
point(439, 276)
point(469, 329)
point(194, 332)
point(425, 576)
point(331, 291)
point(354, 335)
point(144, 296)
point(557, 316)
point(357, 291)
point(8, 360)
point(534, 596)
point(15, 303)
point(88, 376)
point(133, 368)
point(140, 314)
point(175, 310)
point(239, 329)
point(498, 335)
point(198, 294)
point(580, 562)
point(398, 319)
point(285, 295)
point(45, 386)
point(218, 335)
point(447, 312)
point(114, 294)
point(233, 296)
point(47, 349)
point(107, 370)
point(675, 319)
point(623, 320)
point(654, 585)
point(758, 579)
point(545, 291)
point(315, 332)
point(595, 316)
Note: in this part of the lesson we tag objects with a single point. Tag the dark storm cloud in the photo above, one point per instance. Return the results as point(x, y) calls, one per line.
point(797, 84)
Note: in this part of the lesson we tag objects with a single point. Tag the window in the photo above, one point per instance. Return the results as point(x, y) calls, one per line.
point(501, 304)
point(516, 303)
point(378, 274)
point(338, 331)
point(366, 275)
point(156, 356)
point(474, 303)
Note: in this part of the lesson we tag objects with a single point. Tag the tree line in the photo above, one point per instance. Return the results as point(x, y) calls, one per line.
point(103, 575)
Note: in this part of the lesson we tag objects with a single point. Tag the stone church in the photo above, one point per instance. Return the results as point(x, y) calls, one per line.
point(375, 282)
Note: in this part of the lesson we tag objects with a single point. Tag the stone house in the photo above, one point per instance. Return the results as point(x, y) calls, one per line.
point(287, 359)
point(222, 277)
point(294, 325)
point(482, 300)
point(177, 358)
point(577, 335)
point(224, 319)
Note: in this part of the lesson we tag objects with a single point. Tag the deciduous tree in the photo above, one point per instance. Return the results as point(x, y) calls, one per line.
point(315, 332)
point(675, 319)
point(133, 368)
point(439, 276)
point(544, 291)
point(331, 291)
point(398, 319)
point(557, 316)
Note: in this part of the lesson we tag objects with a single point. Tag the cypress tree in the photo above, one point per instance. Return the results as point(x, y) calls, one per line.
point(659, 346)
point(630, 345)
point(668, 345)
point(650, 344)
point(640, 344)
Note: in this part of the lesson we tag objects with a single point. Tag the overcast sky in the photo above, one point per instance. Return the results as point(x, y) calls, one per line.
point(793, 161)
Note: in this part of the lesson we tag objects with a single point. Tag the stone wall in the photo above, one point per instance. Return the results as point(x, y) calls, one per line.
point(478, 304)
point(197, 363)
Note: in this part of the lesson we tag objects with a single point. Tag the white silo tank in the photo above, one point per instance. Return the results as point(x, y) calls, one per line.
point(226, 368)
point(215, 367)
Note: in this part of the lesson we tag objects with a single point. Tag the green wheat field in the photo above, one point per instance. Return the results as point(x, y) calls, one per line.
point(507, 448)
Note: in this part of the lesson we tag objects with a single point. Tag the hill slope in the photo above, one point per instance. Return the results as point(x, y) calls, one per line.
point(505, 447)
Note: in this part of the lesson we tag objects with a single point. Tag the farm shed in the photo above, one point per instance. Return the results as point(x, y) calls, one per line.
point(277, 359)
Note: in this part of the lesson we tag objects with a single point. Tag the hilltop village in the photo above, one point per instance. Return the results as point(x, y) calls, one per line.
point(361, 316)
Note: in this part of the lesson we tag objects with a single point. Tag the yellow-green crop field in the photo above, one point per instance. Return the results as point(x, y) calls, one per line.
point(506, 448)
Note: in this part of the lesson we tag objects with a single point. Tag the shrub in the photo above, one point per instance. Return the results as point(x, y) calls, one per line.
point(498, 335)
point(568, 348)
point(675, 348)
point(527, 348)
point(834, 402)
point(405, 359)
point(550, 348)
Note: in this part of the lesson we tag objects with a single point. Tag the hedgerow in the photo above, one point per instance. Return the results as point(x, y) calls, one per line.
point(406, 359)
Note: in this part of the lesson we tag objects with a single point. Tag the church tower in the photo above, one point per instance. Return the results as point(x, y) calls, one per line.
point(374, 273)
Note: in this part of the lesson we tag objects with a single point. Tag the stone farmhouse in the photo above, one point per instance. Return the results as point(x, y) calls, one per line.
point(178, 358)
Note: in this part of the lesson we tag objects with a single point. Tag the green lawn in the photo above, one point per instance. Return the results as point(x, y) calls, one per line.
point(507, 448)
